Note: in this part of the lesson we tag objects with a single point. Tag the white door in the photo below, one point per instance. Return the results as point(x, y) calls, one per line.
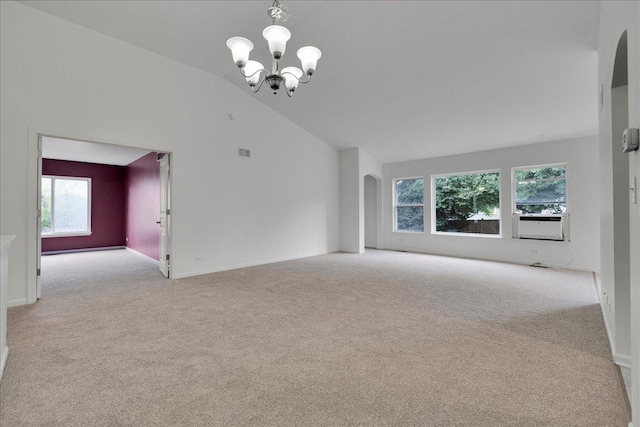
point(165, 215)
point(39, 221)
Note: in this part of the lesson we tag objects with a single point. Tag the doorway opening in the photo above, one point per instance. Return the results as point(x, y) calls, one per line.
point(621, 265)
point(95, 197)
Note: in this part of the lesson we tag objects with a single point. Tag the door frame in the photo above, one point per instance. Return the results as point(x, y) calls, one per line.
point(33, 202)
point(165, 214)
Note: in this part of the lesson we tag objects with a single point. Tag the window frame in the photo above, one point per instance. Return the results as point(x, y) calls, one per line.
point(396, 205)
point(550, 165)
point(450, 233)
point(54, 234)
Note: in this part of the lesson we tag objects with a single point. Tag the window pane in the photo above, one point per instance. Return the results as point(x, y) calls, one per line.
point(468, 203)
point(410, 218)
point(541, 190)
point(45, 202)
point(540, 173)
point(410, 192)
point(71, 204)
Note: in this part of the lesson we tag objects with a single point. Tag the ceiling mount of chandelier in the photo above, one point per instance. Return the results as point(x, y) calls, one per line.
point(277, 37)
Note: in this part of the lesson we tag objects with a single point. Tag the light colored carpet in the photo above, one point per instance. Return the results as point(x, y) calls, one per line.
point(384, 338)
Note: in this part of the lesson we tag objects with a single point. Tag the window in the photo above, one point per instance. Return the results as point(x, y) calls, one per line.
point(409, 204)
point(467, 203)
point(66, 206)
point(540, 190)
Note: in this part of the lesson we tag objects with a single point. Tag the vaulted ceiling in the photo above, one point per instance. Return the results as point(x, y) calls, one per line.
point(401, 79)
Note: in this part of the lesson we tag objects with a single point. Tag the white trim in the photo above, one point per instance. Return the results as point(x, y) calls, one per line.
point(55, 178)
point(70, 234)
point(33, 231)
point(505, 260)
point(140, 254)
point(72, 251)
point(17, 302)
point(270, 261)
point(433, 203)
point(33, 202)
point(453, 233)
point(606, 325)
point(394, 191)
point(3, 361)
point(622, 360)
point(551, 165)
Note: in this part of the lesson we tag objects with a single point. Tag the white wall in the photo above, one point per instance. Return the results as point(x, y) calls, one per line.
point(582, 252)
point(369, 166)
point(614, 218)
point(355, 164)
point(615, 18)
point(370, 212)
point(349, 201)
point(69, 81)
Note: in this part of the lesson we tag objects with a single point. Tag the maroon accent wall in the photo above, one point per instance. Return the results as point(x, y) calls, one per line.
point(143, 205)
point(107, 205)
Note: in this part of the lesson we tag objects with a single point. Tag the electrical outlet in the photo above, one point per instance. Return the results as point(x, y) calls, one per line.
point(197, 258)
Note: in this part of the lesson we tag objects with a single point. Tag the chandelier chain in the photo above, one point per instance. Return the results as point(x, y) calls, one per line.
point(278, 12)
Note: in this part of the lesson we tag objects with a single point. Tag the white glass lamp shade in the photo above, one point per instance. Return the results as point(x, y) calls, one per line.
point(240, 48)
point(309, 56)
point(277, 37)
point(291, 82)
point(250, 71)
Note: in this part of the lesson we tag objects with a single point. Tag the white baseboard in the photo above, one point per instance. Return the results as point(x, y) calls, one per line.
point(72, 251)
point(3, 361)
point(607, 329)
point(493, 259)
point(622, 360)
point(17, 302)
point(140, 254)
point(236, 266)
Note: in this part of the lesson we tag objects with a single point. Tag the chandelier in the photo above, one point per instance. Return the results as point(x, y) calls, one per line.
point(277, 37)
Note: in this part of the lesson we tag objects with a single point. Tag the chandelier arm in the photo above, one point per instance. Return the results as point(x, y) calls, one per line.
point(254, 89)
point(304, 82)
point(299, 80)
point(249, 76)
point(289, 93)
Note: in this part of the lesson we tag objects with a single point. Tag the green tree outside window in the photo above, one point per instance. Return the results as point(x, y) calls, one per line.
point(458, 198)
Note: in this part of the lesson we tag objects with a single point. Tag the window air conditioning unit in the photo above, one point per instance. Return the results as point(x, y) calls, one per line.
point(541, 227)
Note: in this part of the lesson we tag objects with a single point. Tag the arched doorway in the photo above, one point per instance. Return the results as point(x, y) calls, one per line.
point(616, 224)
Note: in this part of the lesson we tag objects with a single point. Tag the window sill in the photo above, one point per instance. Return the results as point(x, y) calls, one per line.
point(408, 232)
point(446, 233)
point(81, 234)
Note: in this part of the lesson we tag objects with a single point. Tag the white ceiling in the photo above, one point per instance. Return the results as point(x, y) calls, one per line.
point(401, 79)
point(90, 152)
